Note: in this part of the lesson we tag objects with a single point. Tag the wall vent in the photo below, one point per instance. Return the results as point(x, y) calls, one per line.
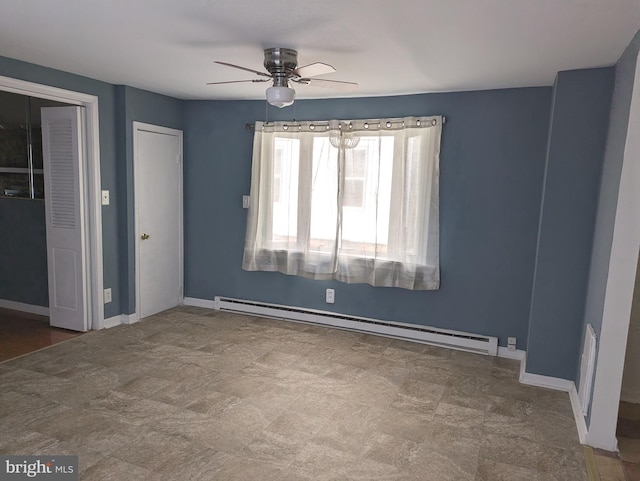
point(408, 332)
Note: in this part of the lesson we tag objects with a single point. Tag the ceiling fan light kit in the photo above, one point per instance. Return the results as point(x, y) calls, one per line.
point(280, 96)
point(282, 63)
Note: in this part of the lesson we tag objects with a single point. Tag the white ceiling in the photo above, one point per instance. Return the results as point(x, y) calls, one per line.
point(392, 47)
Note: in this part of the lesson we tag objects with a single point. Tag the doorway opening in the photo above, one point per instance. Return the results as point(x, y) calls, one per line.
point(91, 196)
point(23, 253)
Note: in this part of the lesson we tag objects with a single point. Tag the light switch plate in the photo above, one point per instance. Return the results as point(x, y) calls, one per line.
point(245, 201)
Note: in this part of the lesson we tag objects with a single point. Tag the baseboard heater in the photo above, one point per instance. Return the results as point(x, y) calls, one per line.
point(408, 332)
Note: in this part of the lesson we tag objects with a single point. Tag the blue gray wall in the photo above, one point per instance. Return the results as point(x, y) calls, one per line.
point(577, 136)
point(108, 160)
point(23, 252)
point(119, 106)
point(141, 106)
point(492, 162)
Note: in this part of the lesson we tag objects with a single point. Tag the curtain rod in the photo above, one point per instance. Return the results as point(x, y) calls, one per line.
point(249, 127)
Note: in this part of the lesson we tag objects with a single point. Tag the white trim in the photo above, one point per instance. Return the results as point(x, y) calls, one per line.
point(20, 306)
point(112, 322)
point(129, 318)
point(193, 301)
point(92, 168)
point(619, 288)
point(94, 208)
point(576, 407)
point(120, 319)
point(24, 87)
point(143, 127)
point(538, 380)
point(518, 354)
point(548, 382)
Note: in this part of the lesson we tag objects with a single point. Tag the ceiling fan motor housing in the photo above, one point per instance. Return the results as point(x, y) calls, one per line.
point(280, 62)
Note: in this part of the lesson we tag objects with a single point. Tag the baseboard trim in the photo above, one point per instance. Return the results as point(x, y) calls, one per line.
point(546, 381)
point(549, 382)
point(581, 424)
point(120, 319)
point(518, 355)
point(22, 307)
point(129, 318)
point(195, 302)
point(112, 322)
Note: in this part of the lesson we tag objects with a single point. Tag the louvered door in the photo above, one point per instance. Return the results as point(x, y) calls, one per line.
point(63, 151)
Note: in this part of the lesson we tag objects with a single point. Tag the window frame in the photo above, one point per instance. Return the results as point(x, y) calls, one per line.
point(403, 247)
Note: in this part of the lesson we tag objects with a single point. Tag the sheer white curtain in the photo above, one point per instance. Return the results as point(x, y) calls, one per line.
point(355, 201)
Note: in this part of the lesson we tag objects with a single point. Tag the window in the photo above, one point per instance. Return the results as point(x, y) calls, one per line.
point(355, 175)
point(355, 201)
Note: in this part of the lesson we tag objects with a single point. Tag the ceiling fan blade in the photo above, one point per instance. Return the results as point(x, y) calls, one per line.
point(257, 72)
point(331, 84)
point(239, 81)
point(314, 69)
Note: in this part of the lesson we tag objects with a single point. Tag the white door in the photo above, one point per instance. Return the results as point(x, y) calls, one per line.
point(158, 200)
point(63, 147)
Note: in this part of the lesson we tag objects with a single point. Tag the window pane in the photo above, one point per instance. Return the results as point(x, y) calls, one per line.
point(324, 196)
point(353, 193)
point(285, 190)
point(355, 164)
point(277, 173)
point(367, 196)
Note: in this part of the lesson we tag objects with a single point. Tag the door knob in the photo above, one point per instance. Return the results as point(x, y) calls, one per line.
point(144, 236)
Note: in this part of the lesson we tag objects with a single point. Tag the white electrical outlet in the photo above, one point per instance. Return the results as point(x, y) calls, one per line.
point(105, 197)
point(330, 296)
point(511, 343)
point(107, 295)
point(245, 201)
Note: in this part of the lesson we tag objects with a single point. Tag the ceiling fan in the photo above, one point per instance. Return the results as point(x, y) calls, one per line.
point(282, 65)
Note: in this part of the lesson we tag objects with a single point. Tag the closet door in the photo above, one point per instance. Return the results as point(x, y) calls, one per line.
point(63, 149)
point(157, 165)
